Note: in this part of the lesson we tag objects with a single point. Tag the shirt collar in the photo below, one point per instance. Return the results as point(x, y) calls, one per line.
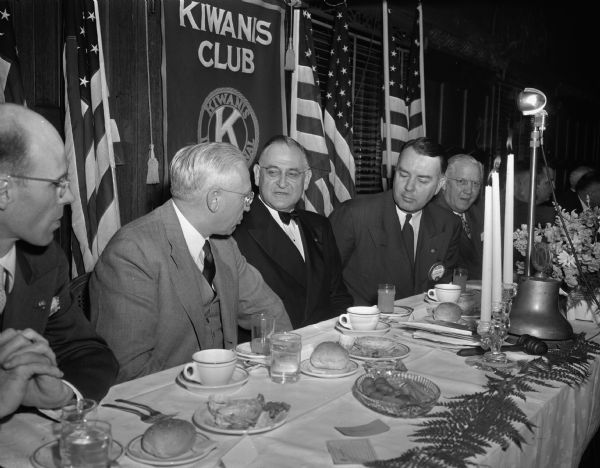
point(416, 216)
point(275, 214)
point(193, 239)
point(9, 263)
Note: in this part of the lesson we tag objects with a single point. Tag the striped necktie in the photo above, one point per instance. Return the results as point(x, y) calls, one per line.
point(3, 275)
point(209, 263)
point(465, 225)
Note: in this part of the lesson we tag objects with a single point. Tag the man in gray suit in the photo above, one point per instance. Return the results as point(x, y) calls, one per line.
point(174, 281)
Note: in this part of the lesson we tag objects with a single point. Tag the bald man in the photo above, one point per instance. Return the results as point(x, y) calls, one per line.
point(34, 273)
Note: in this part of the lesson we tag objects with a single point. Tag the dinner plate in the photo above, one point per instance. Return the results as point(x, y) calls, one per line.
point(238, 379)
point(381, 329)
point(474, 284)
point(243, 351)
point(378, 348)
point(48, 455)
point(204, 420)
point(307, 368)
point(201, 448)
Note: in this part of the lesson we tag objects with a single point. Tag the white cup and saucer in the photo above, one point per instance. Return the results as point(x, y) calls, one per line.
point(212, 369)
point(362, 320)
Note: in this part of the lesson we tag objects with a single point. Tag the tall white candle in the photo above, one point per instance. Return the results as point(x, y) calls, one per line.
point(509, 216)
point(486, 273)
point(496, 240)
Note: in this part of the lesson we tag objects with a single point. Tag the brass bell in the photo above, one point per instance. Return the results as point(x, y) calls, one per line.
point(535, 310)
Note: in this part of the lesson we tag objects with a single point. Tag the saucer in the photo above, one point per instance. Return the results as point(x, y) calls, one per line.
point(201, 448)
point(307, 368)
point(399, 311)
point(381, 329)
point(243, 351)
point(238, 379)
point(48, 455)
point(430, 301)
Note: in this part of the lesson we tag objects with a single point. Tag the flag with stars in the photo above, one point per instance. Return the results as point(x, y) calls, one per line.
point(306, 116)
point(337, 118)
point(406, 93)
point(11, 83)
point(88, 136)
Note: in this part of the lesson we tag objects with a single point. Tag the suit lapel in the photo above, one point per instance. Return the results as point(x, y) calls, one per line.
point(315, 259)
point(276, 244)
point(427, 246)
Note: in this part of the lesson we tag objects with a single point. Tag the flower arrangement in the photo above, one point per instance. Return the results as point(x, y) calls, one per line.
point(583, 229)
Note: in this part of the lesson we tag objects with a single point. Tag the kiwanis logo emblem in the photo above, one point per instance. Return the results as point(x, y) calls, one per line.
point(226, 116)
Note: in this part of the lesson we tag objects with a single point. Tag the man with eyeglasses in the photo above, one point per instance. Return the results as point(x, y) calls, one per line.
point(294, 249)
point(174, 281)
point(397, 236)
point(49, 351)
point(459, 195)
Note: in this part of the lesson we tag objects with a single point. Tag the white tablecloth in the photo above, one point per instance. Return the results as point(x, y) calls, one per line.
point(565, 418)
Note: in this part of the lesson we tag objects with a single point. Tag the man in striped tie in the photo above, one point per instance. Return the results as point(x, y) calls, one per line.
point(38, 313)
point(459, 195)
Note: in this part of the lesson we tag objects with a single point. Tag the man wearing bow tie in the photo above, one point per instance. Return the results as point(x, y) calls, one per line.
point(294, 250)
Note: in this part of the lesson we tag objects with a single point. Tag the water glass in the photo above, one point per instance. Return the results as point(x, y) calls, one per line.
point(78, 411)
point(285, 357)
point(386, 293)
point(86, 444)
point(262, 326)
point(459, 276)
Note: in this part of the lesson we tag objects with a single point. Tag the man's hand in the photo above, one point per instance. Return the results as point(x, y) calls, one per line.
point(28, 373)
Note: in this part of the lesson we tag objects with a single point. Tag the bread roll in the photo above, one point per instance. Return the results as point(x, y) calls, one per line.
point(329, 355)
point(448, 311)
point(169, 438)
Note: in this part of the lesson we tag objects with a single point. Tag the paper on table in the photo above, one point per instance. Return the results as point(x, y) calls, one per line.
point(377, 426)
point(349, 452)
point(440, 338)
point(446, 327)
point(241, 454)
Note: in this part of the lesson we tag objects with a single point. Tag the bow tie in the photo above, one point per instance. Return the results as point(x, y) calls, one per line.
point(287, 217)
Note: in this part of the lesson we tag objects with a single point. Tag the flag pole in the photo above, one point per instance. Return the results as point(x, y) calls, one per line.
point(422, 67)
point(386, 88)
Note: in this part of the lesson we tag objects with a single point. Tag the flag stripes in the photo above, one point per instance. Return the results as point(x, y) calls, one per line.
point(11, 82)
point(89, 146)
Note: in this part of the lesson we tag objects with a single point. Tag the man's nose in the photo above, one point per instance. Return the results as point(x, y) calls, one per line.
point(68, 197)
point(282, 181)
point(410, 185)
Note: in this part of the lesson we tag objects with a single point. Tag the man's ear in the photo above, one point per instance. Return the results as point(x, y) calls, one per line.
point(307, 177)
point(5, 194)
point(212, 200)
point(441, 184)
point(256, 171)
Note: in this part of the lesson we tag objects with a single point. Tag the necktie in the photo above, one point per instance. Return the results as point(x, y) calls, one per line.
point(286, 217)
point(409, 238)
point(465, 225)
point(209, 263)
point(2, 289)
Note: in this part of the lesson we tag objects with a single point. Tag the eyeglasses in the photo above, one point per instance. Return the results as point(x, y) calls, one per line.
point(274, 173)
point(246, 197)
point(465, 183)
point(61, 184)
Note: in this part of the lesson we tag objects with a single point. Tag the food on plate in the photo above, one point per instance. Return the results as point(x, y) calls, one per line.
point(169, 438)
point(380, 388)
point(329, 355)
point(373, 346)
point(245, 413)
point(448, 311)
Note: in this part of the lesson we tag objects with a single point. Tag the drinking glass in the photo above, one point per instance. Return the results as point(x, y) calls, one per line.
point(262, 326)
point(386, 293)
point(459, 276)
point(85, 444)
point(285, 357)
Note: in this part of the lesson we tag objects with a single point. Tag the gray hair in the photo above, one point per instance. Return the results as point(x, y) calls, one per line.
point(14, 141)
point(463, 158)
point(194, 167)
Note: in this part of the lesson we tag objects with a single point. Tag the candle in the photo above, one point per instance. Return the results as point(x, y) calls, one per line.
point(509, 214)
point(486, 274)
point(496, 241)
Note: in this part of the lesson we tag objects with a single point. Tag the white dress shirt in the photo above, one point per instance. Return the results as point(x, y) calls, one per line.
point(415, 222)
point(292, 230)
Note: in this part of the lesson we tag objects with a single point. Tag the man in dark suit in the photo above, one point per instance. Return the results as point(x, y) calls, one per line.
point(459, 195)
point(396, 236)
point(174, 281)
point(588, 190)
point(569, 200)
point(544, 213)
point(294, 250)
point(34, 273)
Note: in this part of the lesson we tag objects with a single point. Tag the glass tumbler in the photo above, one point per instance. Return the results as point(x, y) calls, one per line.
point(285, 357)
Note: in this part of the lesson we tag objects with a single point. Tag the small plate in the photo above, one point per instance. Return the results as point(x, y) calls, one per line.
point(204, 420)
point(201, 448)
point(378, 348)
point(243, 351)
point(474, 284)
point(381, 329)
point(399, 311)
point(238, 379)
point(307, 368)
point(460, 321)
point(429, 300)
point(48, 455)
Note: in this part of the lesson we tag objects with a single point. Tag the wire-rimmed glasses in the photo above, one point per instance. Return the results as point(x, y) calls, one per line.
point(246, 197)
point(61, 184)
point(274, 173)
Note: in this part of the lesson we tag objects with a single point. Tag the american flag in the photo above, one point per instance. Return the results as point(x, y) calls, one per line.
point(306, 116)
point(406, 88)
point(337, 117)
point(10, 74)
point(89, 143)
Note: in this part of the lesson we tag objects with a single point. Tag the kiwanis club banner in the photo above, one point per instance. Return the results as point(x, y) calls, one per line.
point(223, 73)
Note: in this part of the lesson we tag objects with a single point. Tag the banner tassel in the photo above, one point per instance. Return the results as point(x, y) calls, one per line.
point(152, 176)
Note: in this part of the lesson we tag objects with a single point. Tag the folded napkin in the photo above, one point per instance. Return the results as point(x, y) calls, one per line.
point(241, 454)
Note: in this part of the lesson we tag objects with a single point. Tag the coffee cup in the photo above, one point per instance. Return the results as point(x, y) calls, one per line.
point(211, 366)
point(445, 292)
point(360, 318)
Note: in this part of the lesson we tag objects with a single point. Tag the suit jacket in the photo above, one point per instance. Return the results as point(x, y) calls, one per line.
point(569, 201)
point(543, 214)
point(312, 290)
point(147, 303)
point(369, 238)
point(41, 274)
point(470, 251)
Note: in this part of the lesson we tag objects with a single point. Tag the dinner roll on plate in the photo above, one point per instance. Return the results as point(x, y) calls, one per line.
point(169, 438)
point(329, 355)
point(448, 311)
